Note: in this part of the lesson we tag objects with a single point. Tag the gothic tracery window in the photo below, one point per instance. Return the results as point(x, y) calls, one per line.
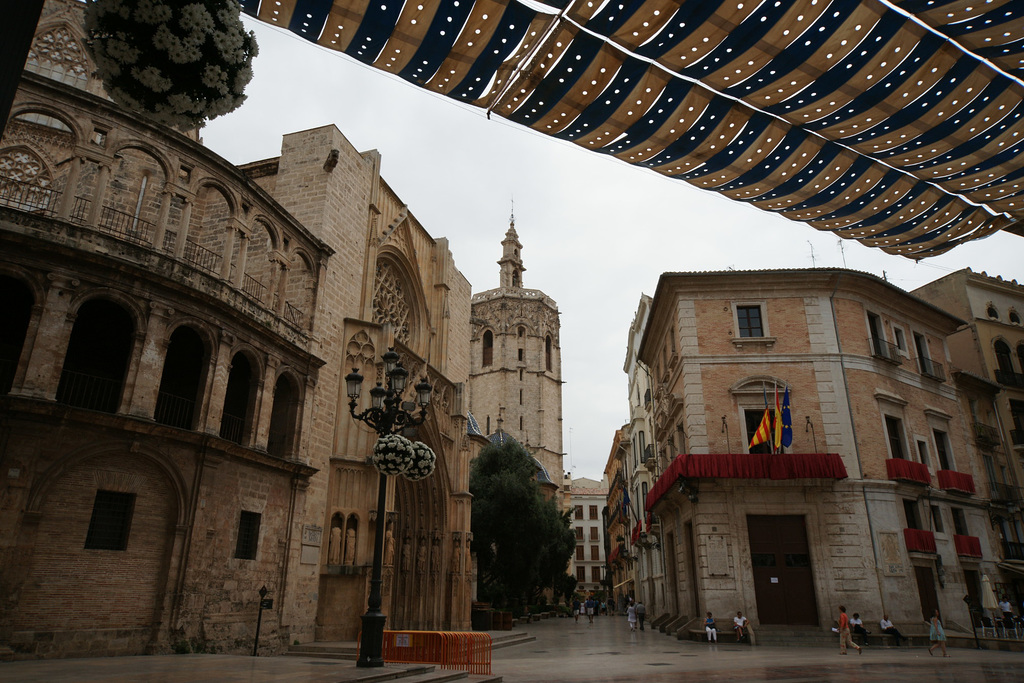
point(57, 55)
point(390, 304)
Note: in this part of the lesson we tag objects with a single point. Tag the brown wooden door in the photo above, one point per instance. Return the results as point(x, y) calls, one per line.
point(926, 591)
point(783, 576)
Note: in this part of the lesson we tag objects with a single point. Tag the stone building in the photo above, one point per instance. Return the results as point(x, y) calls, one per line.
point(872, 506)
point(620, 570)
point(588, 501)
point(990, 353)
point(640, 467)
point(515, 376)
point(176, 431)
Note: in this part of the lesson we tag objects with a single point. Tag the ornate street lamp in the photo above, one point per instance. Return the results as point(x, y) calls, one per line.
point(392, 454)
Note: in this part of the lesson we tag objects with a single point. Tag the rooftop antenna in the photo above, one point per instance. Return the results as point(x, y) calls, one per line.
point(842, 250)
point(812, 252)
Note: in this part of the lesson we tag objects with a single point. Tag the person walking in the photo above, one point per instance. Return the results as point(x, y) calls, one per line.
point(641, 612)
point(936, 634)
point(844, 633)
point(576, 609)
point(710, 629)
point(631, 616)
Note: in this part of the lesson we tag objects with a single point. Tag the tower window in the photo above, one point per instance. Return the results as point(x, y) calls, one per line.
point(488, 349)
point(547, 353)
point(521, 354)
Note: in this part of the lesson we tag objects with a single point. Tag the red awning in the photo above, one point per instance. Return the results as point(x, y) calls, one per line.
point(747, 466)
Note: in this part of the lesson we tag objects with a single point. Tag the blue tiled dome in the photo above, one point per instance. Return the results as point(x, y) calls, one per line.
point(472, 426)
point(500, 438)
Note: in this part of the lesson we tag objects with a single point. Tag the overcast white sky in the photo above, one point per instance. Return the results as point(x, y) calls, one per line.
point(596, 232)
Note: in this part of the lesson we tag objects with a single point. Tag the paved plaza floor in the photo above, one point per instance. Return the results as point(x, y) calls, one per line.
point(563, 651)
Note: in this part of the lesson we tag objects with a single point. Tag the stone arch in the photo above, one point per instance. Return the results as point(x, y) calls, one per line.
point(487, 348)
point(213, 212)
point(419, 596)
point(139, 174)
point(64, 501)
point(259, 269)
point(99, 353)
point(183, 378)
point(283, 435)
point(17, 300)
point(240, 396)
point(300, 286)
point(398, 299)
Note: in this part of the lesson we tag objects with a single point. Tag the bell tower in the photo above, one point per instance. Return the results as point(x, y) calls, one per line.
point(511, 257)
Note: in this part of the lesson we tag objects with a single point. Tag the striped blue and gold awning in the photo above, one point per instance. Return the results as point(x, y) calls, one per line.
point(894, 123)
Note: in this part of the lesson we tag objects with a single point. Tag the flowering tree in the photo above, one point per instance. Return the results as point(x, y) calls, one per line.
point(179, 64)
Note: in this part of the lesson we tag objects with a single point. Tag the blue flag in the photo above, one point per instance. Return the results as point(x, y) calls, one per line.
point(787, 421)
point(625, 501)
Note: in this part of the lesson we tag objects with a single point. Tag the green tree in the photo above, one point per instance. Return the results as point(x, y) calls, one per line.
point(522, 541)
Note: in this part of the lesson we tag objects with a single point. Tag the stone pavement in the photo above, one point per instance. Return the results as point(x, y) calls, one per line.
point(563, 651)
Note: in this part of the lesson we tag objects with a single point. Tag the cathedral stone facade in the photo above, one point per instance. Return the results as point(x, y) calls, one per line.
point(515, 383)
point(175, 429)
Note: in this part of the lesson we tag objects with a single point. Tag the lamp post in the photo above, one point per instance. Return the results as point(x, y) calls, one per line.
point(386, 415)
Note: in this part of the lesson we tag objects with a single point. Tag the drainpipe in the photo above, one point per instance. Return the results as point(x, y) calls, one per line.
point(856, 444)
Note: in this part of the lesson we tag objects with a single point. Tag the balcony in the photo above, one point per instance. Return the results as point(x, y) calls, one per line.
point(788, 466)
point(919, 541)
point(1008, 378)
point(884, 350)
point(985, 435)
point(956, 482)
point(899, 469)
point(931, 369)
point(967, 546)
point(1004, 493)
point(1013, 551)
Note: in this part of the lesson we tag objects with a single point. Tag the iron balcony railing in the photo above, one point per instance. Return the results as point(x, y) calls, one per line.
point(1004, 493)
point(253, 287)
point(1009, 378)
point(884, 350)
point(986, 435)
point(87, 391)
point(231, 428)
point(930, 368)
point(1013, 550)
point(27, 197)
point(201, 257)
point(174, 411)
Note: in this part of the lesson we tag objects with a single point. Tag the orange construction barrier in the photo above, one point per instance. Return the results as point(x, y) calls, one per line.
point(465, 650)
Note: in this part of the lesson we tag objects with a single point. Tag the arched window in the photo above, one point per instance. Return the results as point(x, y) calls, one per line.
point(522, 331)
point(181, 380)
point(238, 400)
point(1014, 316)
point(547, 353)
point(97, 357)
point(488, 355)
point(283, 418)
point(1003, 359)
point(992, 312)
point(15, 311)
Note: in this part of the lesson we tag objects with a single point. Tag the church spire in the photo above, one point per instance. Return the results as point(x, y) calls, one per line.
point(511, 261)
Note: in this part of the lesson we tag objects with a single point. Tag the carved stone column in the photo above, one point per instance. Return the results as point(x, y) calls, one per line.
point(219, 385)
point(67, 200)
point(265, 403)
point(99, 196)
point(142, 402)
point(161, 219)
point(182, 237)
